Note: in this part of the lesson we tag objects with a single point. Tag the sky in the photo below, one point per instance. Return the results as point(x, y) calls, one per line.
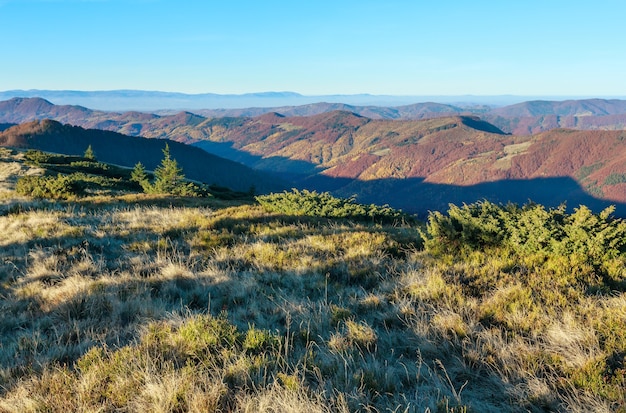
point(317, 47)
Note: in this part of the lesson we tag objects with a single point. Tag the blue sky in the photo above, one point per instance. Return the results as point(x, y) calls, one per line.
point(418, 47)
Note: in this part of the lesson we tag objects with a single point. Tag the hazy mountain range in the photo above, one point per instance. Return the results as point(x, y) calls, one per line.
point(442, 155)
point(124, 100)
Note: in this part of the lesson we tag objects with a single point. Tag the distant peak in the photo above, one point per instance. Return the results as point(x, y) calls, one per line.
point(35, 127)
point(273, 94)
point(41, 125)
point(341, 114)
point(186, 115)
point(36, 100)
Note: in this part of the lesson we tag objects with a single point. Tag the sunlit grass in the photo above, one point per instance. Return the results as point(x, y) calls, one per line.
point(150, 303)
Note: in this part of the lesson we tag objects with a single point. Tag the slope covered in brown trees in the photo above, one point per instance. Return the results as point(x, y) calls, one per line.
point(421, 165)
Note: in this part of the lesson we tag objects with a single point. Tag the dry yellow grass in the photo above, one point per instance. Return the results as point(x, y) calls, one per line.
point(12, 167)
point(130, 304)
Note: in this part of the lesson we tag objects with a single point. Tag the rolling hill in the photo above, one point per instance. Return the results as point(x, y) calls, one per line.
point(111, 147)
point(524, 118)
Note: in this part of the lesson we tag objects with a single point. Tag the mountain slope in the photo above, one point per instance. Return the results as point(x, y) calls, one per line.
point(538, 116)
point(123, 150)
point(424, 165)
point(344, 145)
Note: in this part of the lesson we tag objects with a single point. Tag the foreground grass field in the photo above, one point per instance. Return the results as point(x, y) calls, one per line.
point(134, 302)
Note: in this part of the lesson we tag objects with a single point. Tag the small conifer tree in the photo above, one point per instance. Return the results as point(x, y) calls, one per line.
point(168, 176)
point(140, 176)
point(89, 154)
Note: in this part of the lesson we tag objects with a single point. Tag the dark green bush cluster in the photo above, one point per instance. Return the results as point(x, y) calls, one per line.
point(90, 166)
point(65, 186)
point(580, 242)
point(39, 158)
point(54, 187)
point(323, 204)
point(78, 175)
point(472, 227)
point(69, 163)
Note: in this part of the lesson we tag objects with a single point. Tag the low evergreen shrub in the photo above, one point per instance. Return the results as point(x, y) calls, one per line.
point(312, 203)
point(52, 187)
point(595, 244)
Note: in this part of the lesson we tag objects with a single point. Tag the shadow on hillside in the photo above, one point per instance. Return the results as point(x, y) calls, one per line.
point(127, 151)
point(418, 197)
point(415, 196)
point(5, 126)
point(286, 168)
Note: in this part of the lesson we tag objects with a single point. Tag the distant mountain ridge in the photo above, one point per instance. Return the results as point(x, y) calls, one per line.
point(538, 116)
point(145, 100)
point(142, 100)
point(524, 118)
point(586, 107)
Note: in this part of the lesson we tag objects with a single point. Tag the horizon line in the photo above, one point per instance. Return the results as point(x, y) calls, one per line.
point(290, 92)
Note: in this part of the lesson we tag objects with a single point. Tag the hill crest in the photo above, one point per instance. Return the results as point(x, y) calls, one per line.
point(52, 136)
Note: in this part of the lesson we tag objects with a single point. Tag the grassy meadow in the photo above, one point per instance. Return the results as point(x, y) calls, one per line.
point(115, 300)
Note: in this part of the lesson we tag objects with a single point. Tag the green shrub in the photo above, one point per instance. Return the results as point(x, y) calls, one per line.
point(66, 186)
point(39, 158)
point(311, 203)
point(80, 175)
point(90, 166)
point(169, 179)
point(471, 227)
point(257, 341)
point(59, 187)
point(139, 174)
point(168, 175)
point(89, 154)
point(582, 245)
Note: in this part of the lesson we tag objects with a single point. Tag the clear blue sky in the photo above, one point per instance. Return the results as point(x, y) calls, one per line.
point(412, 47)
